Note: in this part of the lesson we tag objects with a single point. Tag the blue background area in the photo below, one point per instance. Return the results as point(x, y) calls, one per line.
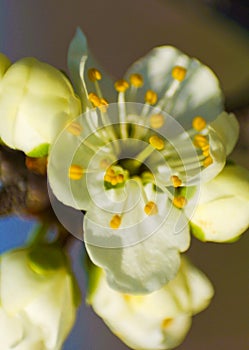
point(13, 232)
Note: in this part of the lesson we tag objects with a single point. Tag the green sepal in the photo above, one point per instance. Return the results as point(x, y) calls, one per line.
point(39, 151)
point(46, 258)
point(197, 232)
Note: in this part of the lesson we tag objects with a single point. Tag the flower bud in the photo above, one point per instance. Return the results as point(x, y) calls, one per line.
point(37, 299)
point(223, 210)
point(154, 321)
point(36, 103)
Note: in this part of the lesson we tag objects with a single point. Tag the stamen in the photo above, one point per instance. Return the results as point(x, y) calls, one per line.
point(121, 85)
point(94, 99)
point(151, 208)
point(166, 323)
point(200, 141)
point(199, 123)
point(150, 97)
point(75, 172)
point(94, 74)
point(180, 202)
point(206, 150)
point(136, 80)
point(114, 177)
point(156, 142)
point(115, 222)
point(176, 181)
point(207, 161)
point(156, 121)
point(74, 128)
point(179, 73)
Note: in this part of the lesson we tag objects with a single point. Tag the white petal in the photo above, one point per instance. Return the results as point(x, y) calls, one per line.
point(145, 266)
point(227, 128)
point(79, 55)
point(57, 315)
point(223, 212)
point(14, 267)
point(198, 94)
point(200, 288)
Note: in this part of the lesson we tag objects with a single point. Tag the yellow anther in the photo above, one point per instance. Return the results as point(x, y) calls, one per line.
point(199, 123)
point(206, 151)
point(114, 181)
point(110, 172)
point(74, 128)
point(94, 99)
point(121, 85)
point(150, 97)
point(176, 181)
point(156, 121)
point(75, 172)
point(115, 221)
point(151, 208)
point(166, 323)
point(94, 74)
point(108, 178)
point(120, 178)
point(156, 142)
point(208, 161)
point(179, 73)
point(136, 80)
point(179, 202)
point(200, 141)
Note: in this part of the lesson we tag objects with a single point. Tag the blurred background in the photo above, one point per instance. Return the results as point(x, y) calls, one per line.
point(119, 32)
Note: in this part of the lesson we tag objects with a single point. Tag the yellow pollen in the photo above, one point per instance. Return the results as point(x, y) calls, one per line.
point(176, 181)
point(94, 99)
point(156, 121)
point(75, 172)
point(179, 202)
point(74, 129)
point(151, 208)
point(120, 178)
point(179, 73)
point(136, 80)
point(115, 222)
point(110, 172)
point(156, 142)
point(199, 123)
point(121, 85)
point(114, 181)
point(166, 323)
point(94, 74)
point(150, 97)
point(208, 161)
point(108, 178)
point(205, 151)
point(200, 141)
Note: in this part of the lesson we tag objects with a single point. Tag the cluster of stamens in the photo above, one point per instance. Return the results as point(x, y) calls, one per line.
point(115, 175)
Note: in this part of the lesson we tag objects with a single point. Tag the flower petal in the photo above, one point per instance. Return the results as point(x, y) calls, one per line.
point(198, 94)
point(227, 128)
point(146, 265)
point(79, 57)
point(223, 210)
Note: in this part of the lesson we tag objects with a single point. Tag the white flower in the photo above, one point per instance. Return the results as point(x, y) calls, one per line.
point(132, 166)
point(36, 103)
point(155, 321)
point(223, 210)
point(37, 299)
